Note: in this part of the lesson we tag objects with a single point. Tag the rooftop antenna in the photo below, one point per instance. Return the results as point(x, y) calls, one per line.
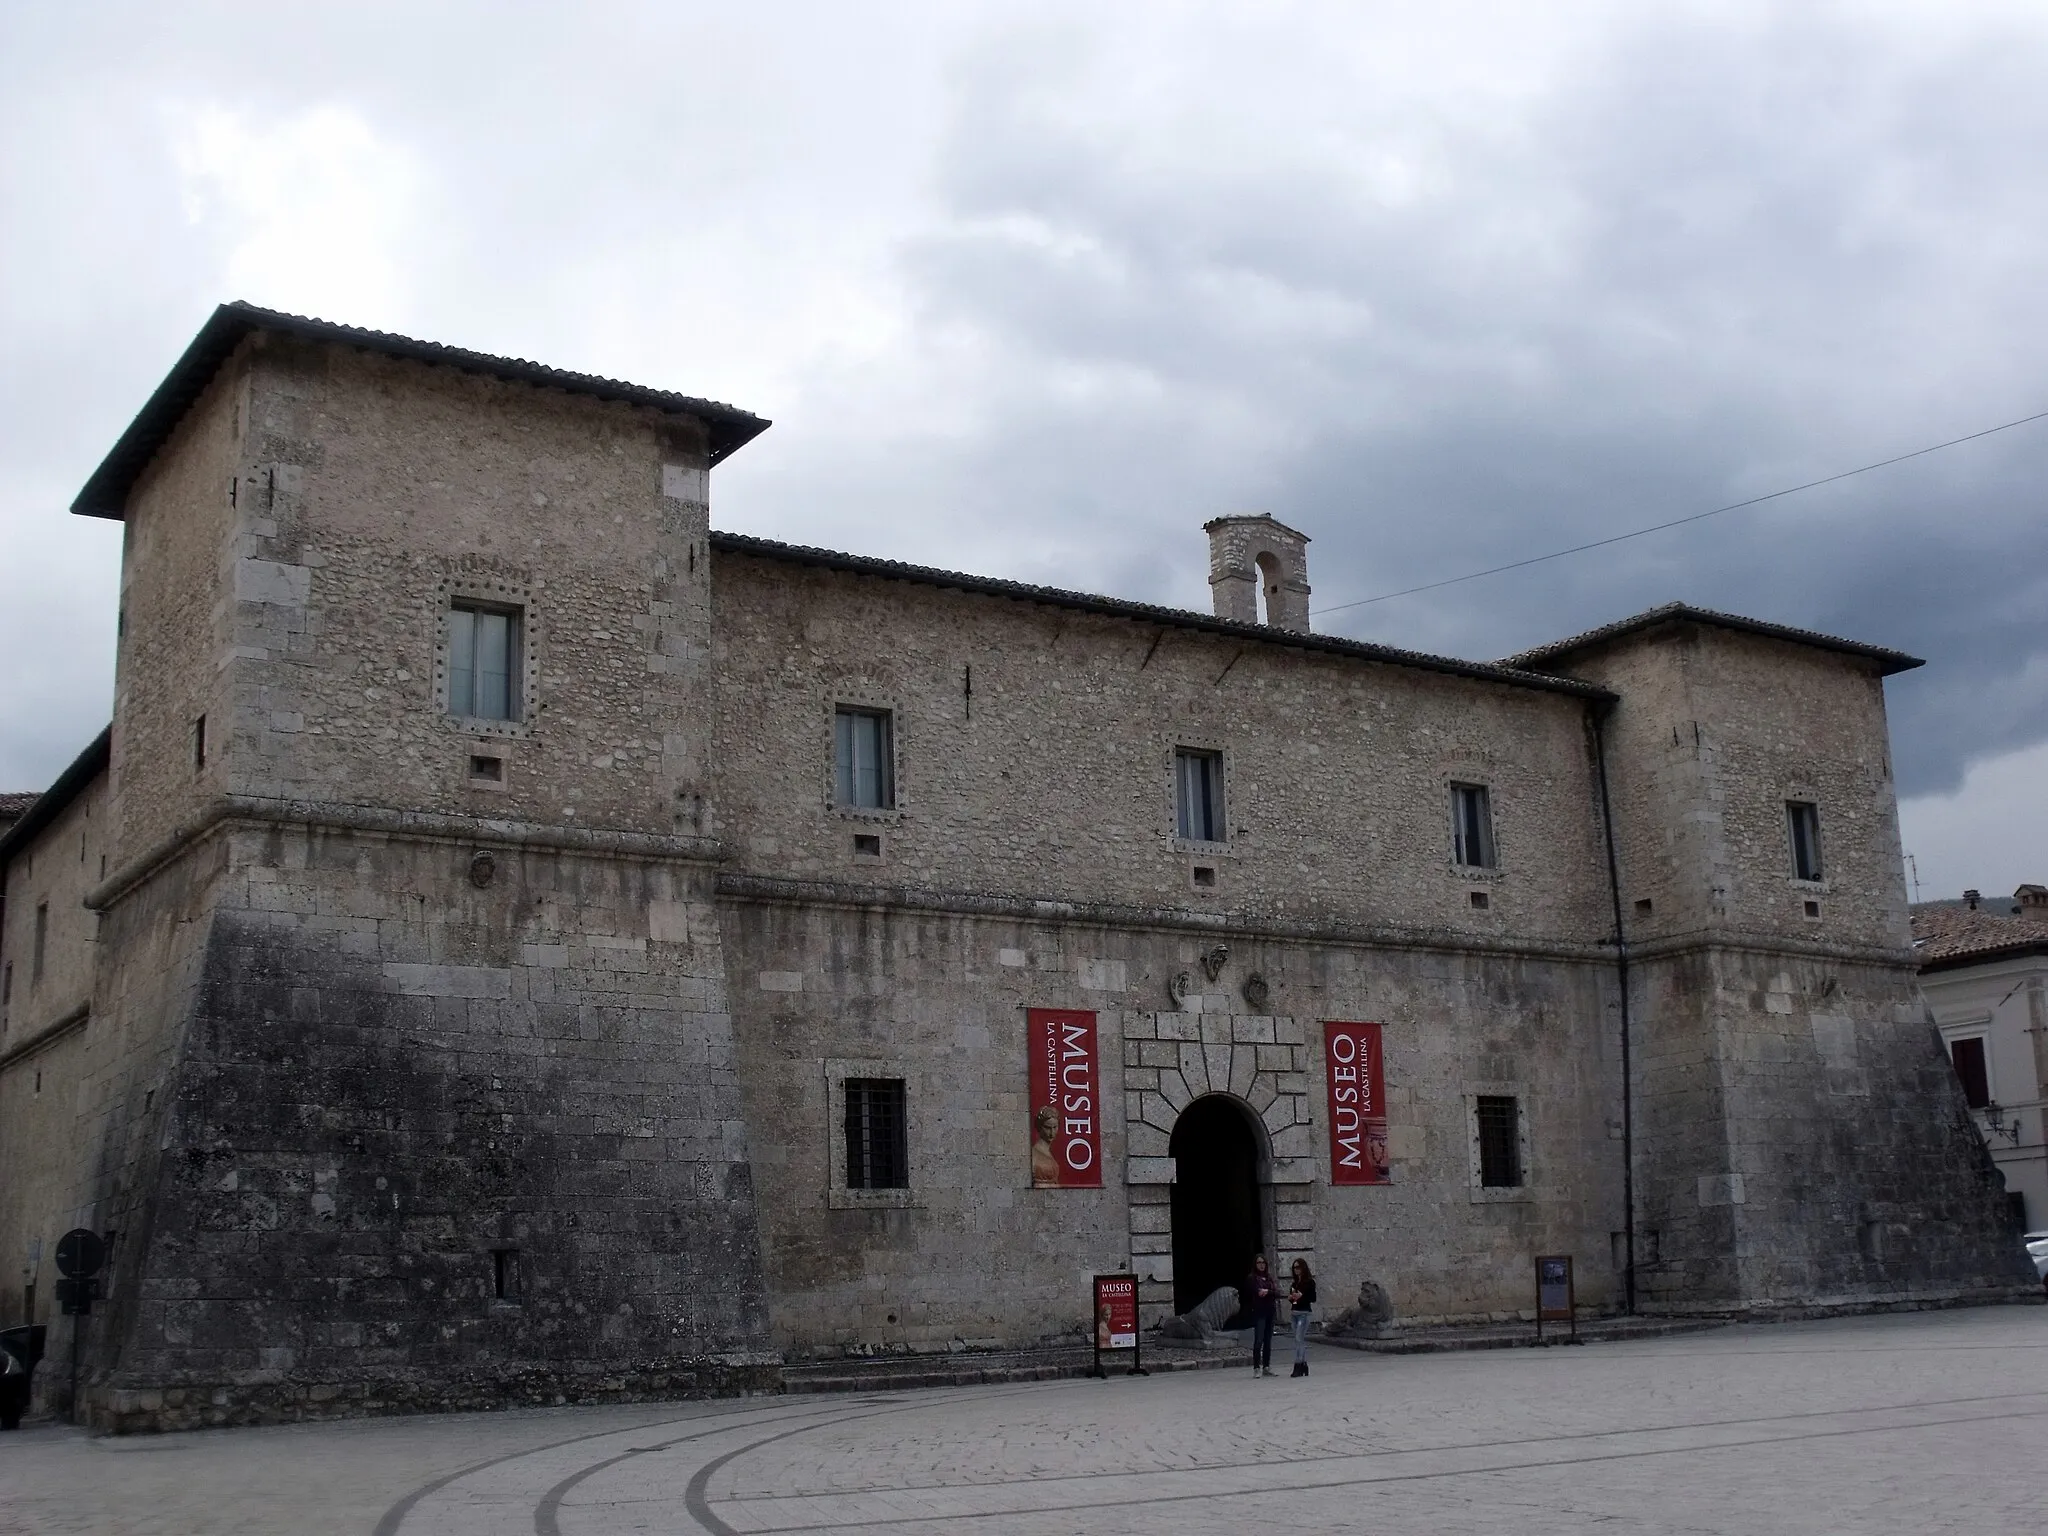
point(1913, 872)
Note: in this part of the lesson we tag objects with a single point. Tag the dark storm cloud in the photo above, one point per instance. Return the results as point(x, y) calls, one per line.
point(1039, 299)
point(1710, 262)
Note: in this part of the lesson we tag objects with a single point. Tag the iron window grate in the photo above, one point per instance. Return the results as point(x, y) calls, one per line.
point(877, 1135)
point(1500, 1143)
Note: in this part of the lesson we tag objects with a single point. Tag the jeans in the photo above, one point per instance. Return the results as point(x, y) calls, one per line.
point(1262, 1341)
point(1300, 1336)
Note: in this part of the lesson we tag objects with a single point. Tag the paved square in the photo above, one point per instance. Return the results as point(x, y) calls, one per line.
point(1917, 1423)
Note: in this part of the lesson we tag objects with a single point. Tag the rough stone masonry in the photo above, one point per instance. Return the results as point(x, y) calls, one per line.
point(519, 944)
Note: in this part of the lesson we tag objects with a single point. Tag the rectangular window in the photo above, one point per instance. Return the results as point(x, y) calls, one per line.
point(505, 1274)
point(42, 938)
point(1968, 1055)
point(1802, 817)
point(483, 662)
point(1472, 825)
point(877, 1137)
point(861, 748)
point(1500, 1142)
point(1198, 795)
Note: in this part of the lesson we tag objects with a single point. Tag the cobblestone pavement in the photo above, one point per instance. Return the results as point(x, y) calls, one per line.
point(1925, 1422)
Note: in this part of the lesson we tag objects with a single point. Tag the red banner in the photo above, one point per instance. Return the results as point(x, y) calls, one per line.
point(1358, 1104)
point(1116, 1312)
point(1066, 1100)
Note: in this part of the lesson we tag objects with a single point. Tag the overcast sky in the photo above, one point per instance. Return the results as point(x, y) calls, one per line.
point(1034, 290)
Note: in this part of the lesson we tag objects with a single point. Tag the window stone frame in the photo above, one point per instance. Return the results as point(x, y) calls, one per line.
point(1195, 845)
point(837, 1196)
point(488, 591)
point(878, 703)
point(1488, 1194)
point(1802, 794)
point(1473, 776)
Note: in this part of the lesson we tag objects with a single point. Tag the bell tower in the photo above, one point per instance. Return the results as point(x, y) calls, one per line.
point(1257, 563)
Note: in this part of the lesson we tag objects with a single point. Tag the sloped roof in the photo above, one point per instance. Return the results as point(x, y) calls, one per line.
point(1543, 657)
point(45, 808)
point(106, 493)
point(1147, 613)
point(1948, 934)
point(14, 806)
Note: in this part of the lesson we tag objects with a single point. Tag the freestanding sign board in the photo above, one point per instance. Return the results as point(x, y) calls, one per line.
point(80, 1254)
point(1556, 1301)
point(1358, 1104)
point(1066, 1099)
point(1116, 1321)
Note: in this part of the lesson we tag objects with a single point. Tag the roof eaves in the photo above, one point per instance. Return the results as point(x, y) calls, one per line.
point(86, 767)
point(2014, 949)
point(1888, 660)
point(105, 494)
point(1148, 613)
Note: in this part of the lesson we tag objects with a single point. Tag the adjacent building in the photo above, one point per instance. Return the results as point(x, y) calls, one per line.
point(518, 942)
point(1984, 970)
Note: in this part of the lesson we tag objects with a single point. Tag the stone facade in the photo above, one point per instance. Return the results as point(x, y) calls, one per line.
point(439, 1060)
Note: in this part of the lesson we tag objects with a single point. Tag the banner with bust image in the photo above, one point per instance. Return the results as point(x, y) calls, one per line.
point(1358, 1105)
point(1066, 1099)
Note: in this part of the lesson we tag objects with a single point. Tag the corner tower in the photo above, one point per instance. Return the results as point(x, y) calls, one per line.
point(419, 1068)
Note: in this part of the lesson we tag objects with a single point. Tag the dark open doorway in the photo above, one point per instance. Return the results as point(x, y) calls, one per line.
point(1218, 1218)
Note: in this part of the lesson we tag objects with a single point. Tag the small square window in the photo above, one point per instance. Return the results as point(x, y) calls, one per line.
point(1205, 876)
point(1812, 908)
point(868, 844)
point(862, 749)
point(877, 1135)
point(486, 769)
point(1802, 818)
point(1472, 825)
point(1480, 901)
point(1198, 795)
point(485, 665)
point(1973, 1069)
point(1500, 1141)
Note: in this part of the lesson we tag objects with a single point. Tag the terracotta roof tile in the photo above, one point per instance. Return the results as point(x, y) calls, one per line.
point(1946, 933)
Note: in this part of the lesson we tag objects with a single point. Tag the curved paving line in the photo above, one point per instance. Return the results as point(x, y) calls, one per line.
point(955, 1518)
point(1562, 1438)
point(696, 1501)
point(394, 1517)
point(547, 1513)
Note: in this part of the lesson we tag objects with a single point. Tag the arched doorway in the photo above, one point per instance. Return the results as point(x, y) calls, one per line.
point(1218, 1209)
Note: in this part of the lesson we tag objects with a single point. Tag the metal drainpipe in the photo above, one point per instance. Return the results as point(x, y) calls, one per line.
point(1628, 1118)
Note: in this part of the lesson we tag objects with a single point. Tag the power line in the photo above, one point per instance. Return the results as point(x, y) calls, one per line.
point(1679, 522)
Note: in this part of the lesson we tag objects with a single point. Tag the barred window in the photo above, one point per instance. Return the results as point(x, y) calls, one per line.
point(877, 1136)
point(1500, 1142)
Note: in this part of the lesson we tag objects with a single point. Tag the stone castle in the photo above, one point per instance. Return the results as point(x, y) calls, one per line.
point(515, 941)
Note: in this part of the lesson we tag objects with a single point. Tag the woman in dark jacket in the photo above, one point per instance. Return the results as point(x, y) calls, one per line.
point(1261, 1296)
point(1302, 1295)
